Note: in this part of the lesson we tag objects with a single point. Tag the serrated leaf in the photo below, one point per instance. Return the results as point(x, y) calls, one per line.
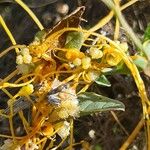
point(90, 102)
point(102, 80)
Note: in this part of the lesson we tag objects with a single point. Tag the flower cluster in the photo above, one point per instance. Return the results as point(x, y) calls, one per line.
point(51, 73)
point(24, 57)
point(54, 68)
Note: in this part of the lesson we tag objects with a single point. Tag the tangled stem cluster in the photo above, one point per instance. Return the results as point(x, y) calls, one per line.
point(53, 70)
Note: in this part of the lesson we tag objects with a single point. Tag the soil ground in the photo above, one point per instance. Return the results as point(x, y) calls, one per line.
point(108, 134)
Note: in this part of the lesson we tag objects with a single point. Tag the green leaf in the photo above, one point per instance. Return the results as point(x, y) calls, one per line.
point(97, 147)
point(74, 40)
point(147, 69)
point(121, 68)
point(40, 35)
point(140, 62)
point(146, 48)
point(147, 33)
point(90, 102)
point(102, 80)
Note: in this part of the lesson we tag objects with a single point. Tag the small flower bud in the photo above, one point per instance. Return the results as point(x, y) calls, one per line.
point(26, 90)
point(27, 59)
point(77, 62)
point(74, 53)
point(19, 59)
point(113, 58)
point(24, 51)
point(86, 62)
point(47, 129)
point(93, 75)
point(95, 53)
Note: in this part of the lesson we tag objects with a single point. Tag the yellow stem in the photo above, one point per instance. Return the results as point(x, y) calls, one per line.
point(9, 137)
point(71, 133)
point(31, 14)
point(16, 85)
point(4, 52)
point(84, 88)
point(106, 19)
point(8, 32)
point(117, 27)
point(69, 78)
point(132, 135)
point(43, 143)
point(11, 123)
point(27, 76)
point(41, 140)
point(24, 122)
point(141, 87)
point(8, 93)
point(59, 145)
point(148, 133)
point(123, 22)
point(11, 75)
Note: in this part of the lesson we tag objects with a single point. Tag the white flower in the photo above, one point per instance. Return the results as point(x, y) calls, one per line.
point(68, 100)
point(27, 59)
point(19, 60)
point(24, 51)
point(55, 83)
point(24, 57)
point(64, 130)
point(69, 104)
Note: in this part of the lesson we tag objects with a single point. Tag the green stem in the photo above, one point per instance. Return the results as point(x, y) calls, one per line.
point(123, 22)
